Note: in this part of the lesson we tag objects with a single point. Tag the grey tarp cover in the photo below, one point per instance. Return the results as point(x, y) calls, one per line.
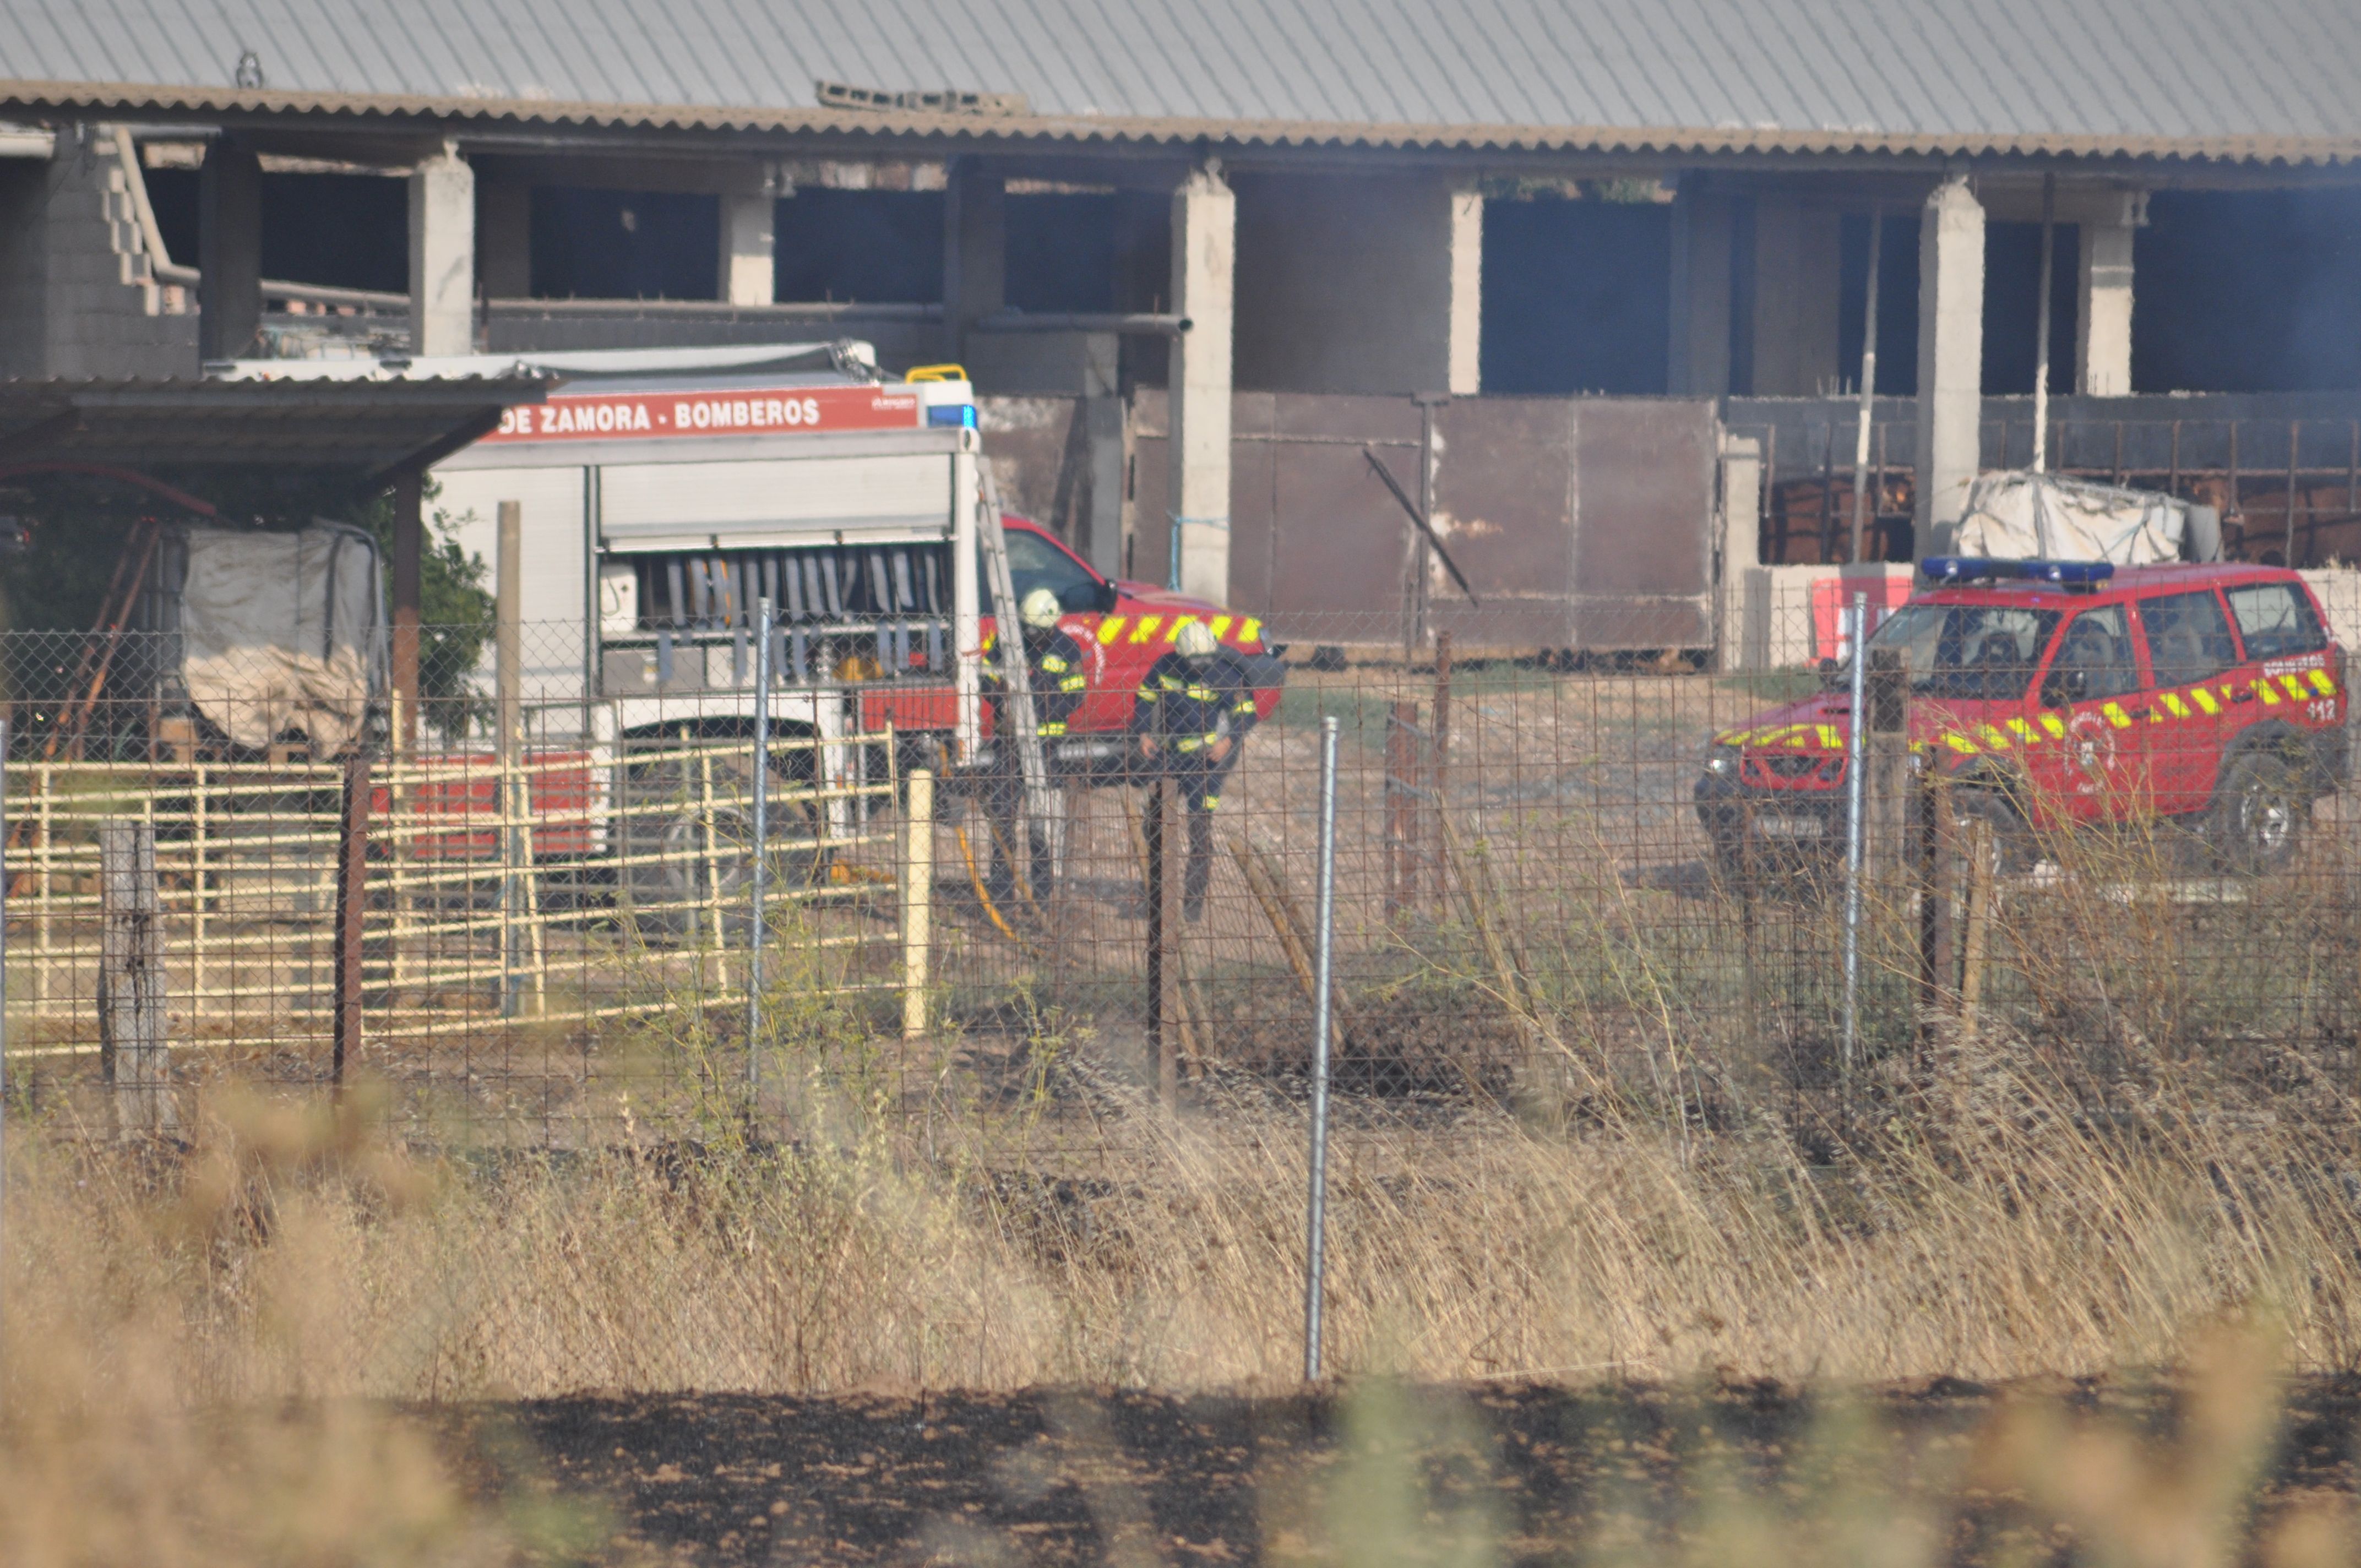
point(2014, 515)
point(280, 632)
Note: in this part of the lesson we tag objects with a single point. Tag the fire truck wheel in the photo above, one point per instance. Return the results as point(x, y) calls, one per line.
point(2011, 838)
point(703, 868)
point(2257, 818)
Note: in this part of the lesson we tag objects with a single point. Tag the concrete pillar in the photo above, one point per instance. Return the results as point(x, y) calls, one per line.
point(504, 237)
point(1950, 358)
point(748, 275)
point(1796, 290)
point(442, 255)
point(975, 250)
point(229, 250)
point(2104, 329)
point(1102, 427)
point(1697, 359)
point(1204, 250)
point(1467, 344)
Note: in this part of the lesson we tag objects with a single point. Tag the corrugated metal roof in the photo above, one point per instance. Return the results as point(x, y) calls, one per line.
point(2173, 76)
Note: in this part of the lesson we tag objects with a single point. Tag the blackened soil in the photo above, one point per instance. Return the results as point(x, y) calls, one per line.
point(1095, 1476)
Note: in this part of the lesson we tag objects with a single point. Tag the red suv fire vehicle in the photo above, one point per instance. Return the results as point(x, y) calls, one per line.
point(2068, 693)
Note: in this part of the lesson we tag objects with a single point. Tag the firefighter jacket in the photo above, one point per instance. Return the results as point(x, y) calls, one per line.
point(1190, 706)
point(1055, 663)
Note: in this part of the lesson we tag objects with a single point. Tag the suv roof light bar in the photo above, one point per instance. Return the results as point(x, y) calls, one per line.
point(1975, 568)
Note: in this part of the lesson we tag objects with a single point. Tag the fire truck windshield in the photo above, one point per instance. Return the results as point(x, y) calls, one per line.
point(1968, 653)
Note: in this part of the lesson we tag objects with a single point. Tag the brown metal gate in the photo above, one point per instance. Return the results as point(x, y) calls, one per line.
point(1580, 522)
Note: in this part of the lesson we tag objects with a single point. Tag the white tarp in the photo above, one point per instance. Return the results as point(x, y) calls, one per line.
point(280, 632)
point(2014, 515)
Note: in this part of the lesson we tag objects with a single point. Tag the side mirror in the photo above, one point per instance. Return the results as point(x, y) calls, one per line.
point(2063, 688)
point(1828, 668)
point(1109, 596)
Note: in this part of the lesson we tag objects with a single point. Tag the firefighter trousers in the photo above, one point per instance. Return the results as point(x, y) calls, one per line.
point(1004, 805)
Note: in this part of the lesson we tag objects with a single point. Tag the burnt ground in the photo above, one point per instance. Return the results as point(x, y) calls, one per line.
point(1092, 1476)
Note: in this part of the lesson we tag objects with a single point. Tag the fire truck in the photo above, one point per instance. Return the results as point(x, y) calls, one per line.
point(663, 494)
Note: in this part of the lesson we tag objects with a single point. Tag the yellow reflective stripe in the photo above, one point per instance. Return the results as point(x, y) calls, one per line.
point(1961, 743)
point(1110, 627)
point(2115, 715)
point(1147, 628)
point(1052, 726)
point(1831, 739)
point(2204, 700)
point(1051, 663)
point(1732, 737)
point(2173, 705)
point(1992, 736)
point(1251, 632)
point(2269, 693)
point(1221, 626)
point(2022, 730)
point(2294, 685)
point(2055, 725)
point(2322, 684)
point(1074, 683)
point(1172, 633)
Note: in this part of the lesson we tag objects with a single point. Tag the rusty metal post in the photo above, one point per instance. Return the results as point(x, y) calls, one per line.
point(352, 902)
point(1438, 774)
point(1887, 688)
point(1939, 862)
point(1162, 831)
point(1401, 807)
point(409, 552)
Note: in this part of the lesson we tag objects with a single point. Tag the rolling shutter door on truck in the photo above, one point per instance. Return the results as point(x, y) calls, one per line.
point(551, 503)
point(675, 506)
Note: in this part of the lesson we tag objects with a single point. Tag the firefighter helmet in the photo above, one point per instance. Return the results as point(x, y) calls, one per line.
point(1195, 642)
point(1039, 609)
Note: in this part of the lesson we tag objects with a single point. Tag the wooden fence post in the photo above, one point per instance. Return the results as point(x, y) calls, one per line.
point(1162, 829)
point(135, 1047)
point(352, 902)
point(917, 903)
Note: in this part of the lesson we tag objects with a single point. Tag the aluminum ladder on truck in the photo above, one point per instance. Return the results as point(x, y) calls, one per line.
point(1042, 807)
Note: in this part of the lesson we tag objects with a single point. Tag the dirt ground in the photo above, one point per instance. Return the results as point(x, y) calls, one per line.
point(1096, 1475)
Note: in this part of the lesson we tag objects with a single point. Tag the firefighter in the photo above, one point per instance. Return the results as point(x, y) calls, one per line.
point(1195, 707)
point(1054, 661)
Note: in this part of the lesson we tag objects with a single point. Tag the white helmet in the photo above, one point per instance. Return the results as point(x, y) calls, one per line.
point(1195, 642)
point(1039, 609)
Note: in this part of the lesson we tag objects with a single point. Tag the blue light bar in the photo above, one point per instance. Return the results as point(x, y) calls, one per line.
point(953, 414)
point(1974, 568)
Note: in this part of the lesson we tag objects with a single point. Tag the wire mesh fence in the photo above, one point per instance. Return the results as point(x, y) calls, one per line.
point(1561, 879)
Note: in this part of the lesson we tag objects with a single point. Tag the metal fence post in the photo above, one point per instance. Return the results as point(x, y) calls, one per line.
point(1323, 963)
point(135, 1049)
point(507, 682)
point(351, 898)
point(1857, 729)
point(917, 903)
point(762, 846)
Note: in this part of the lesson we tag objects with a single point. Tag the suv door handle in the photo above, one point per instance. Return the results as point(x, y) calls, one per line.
point(2139, 713)
point(2247, 696)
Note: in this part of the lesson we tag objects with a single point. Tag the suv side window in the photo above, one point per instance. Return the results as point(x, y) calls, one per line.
point(2277, 621)
point(2187, 638)
point(2094, 660)
point(1035, 562)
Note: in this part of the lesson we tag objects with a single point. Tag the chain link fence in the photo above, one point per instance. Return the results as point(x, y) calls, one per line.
point(1560, 879)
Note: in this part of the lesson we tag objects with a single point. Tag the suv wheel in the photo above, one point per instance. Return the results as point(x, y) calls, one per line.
point(2257, 817)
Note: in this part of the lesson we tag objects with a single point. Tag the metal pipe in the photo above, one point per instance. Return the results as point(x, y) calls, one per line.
point(1855, 729)
point(1132, 323)
point(3, 1017)
point(2041, 326)
point(508, 681)
point(761, 851)
point(1325, 937)
point(1868, 389)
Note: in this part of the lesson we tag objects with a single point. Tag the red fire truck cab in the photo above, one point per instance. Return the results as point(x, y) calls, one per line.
point(2064, 693)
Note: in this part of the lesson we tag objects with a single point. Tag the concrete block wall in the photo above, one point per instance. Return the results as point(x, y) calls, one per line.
point(77, 294)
